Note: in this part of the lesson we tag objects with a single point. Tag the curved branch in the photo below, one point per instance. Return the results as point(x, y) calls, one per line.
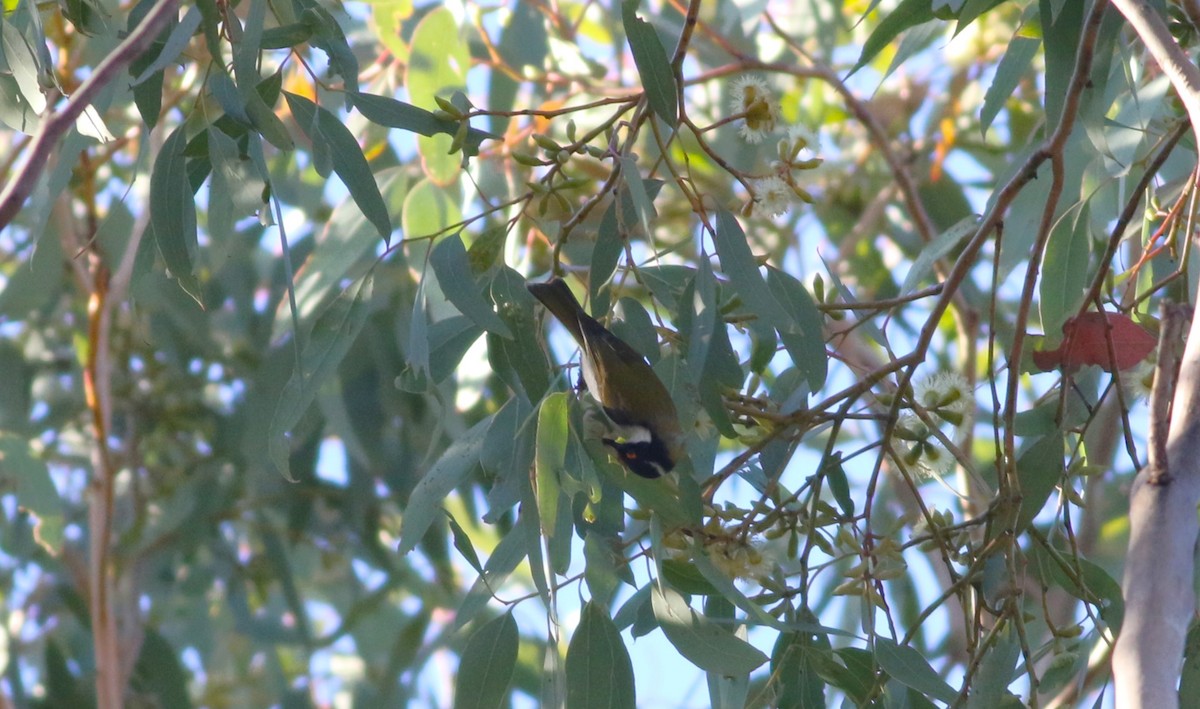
point(56, 126)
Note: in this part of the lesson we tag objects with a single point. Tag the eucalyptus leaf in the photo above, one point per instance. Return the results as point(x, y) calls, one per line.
point(710, 647)
point(599, 672)
point(324, 128)
point(486, 666)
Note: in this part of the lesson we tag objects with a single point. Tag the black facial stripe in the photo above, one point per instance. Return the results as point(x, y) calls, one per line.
point(649, 459)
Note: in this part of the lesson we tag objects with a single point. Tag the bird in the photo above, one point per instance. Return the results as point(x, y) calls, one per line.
point(646, 435)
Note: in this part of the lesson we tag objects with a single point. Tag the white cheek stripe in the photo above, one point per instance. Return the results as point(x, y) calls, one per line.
point(633, 434)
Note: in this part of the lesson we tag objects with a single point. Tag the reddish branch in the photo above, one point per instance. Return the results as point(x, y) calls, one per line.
point(55, 126)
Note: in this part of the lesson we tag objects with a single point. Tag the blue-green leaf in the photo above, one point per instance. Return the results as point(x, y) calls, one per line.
point(1065, 271)
point(1040, 469)
point(908, 14)
point(908, 666)
point(599, 672)
point(447, 473)
point(391, 113)
point(941, 245)
point(462, 542)
point(486, 666)
point(709, 646)
point(246, 51)
point(449, 261)
point(332, 335)
point(179, 38)
point(173, 212)
point(35, 491)
point(805, 337)
point(653, 65)
point(1016, 60)
point(327, 36)
point(739, 264)
point(347, 159)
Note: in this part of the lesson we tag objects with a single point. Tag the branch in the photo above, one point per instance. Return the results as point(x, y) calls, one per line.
point(56, 126)
point(1158, 584)
point(1174, 62)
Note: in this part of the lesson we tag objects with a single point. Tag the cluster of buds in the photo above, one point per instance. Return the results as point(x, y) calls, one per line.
point(883, 562)
point(731, 549)
point(938, 527)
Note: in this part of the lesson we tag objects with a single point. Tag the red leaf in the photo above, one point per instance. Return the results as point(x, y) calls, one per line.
point(1085, 341)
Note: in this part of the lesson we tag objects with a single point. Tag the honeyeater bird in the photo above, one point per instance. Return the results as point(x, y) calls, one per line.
point(646, 434)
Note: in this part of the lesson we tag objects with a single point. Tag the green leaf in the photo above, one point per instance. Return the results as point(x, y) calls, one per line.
point(16, 386)
point(523, 355)
point(606, 252)
point(1061, 44)
point(450, 470)
point(908, 666)
point(159, 673)
point(686, 578)
point(606, 567)
point(35, 491)
point(835, 476)
point(804, 339)
point(23, 66)
point(177, 41)
point(795, 660)
point(1189, 677)
point(15, 111)
point(286, 36)
point(1040, 469)
point(710, 358)
point(996, 672)
point(1081, 578)
point(971, 10)
point(908, 14)
point(449, 261)
point(486, 666)
point(390, 113)
point(327, 36)
point(710, 647)
point(462, 542)
point(512, 550)
point(34, 281)
point(523, 44)
point(739, 264)
point(173, 212)
point(429, 210)
point(503, 441)
point(437, 66)
point(550, 455)
point(941, 245)
point(639, 198)
point(486, 248)
point(1065, 271)
point(653, 65)
point(348, 161)
point(637, 329)
point(246, 50)
point(599, 673)
point(1013, 65)
point(332, 335)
